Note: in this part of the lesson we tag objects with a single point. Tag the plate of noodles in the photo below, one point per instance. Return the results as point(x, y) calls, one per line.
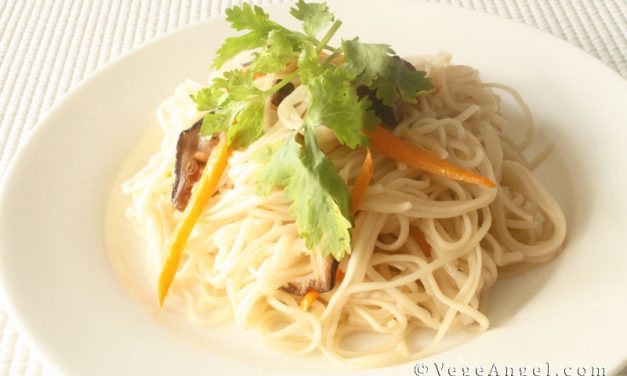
point(355, 188)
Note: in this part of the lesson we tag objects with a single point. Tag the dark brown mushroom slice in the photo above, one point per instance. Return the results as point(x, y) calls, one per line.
point(192, 153)
point(390, 115)
point(283, 92)
point(322, 279)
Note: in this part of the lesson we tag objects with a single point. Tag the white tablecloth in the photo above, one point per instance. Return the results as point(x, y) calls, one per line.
point(48, 46)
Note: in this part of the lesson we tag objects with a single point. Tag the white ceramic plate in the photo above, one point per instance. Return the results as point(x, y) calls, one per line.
point(62, 292)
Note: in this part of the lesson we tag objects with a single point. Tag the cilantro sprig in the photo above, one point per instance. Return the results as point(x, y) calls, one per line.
point(320, 198)
point(376, 66)
point(334, 102)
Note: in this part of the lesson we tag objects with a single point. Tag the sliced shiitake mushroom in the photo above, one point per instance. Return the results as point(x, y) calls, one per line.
point(192, 153)
point(322, 278)
point(283, 92)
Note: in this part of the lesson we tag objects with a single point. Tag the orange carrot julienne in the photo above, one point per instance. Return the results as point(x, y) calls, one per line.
point(419, 237)
point(339, 276)
point(385, 142)
point(361, 183)
point(203, 190)
point(308, 299)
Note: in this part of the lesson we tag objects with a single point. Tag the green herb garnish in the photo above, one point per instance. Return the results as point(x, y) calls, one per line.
point(320, 198)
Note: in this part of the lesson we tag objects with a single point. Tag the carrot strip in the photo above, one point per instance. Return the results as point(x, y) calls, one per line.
point(311, 295)
point(361, 183)
point(203, 190)
point(419, 237)
point(385, 142)
point(308, 299)
point(339, 276)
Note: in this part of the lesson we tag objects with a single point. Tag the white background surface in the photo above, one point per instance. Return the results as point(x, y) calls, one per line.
point(47, 47)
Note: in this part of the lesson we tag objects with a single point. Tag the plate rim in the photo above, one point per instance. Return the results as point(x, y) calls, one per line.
point(6, 292)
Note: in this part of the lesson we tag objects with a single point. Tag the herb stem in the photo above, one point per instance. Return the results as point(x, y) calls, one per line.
point(321, 45)
point(327, 37)
point(317, 43)
point(284, 81)
point(330, 58)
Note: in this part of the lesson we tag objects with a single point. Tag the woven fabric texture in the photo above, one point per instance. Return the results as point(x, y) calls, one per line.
point(48, 46)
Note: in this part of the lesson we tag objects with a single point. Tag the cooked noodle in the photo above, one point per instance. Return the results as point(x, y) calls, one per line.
point(245, 246)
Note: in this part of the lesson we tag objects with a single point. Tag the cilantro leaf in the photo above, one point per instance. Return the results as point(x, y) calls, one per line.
point(249, 124)
point(232, 46)
point(279, 42)
point(309, 64)
point(248, 17)
point(365, 59)
point(333, 102)
point(410, 83)
point(315, 16)
point(320, 198)
point(278, 52)
point(375, 65)
point(217, 121)
point(236, 106)
point(209, 98)
point(245, 18)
